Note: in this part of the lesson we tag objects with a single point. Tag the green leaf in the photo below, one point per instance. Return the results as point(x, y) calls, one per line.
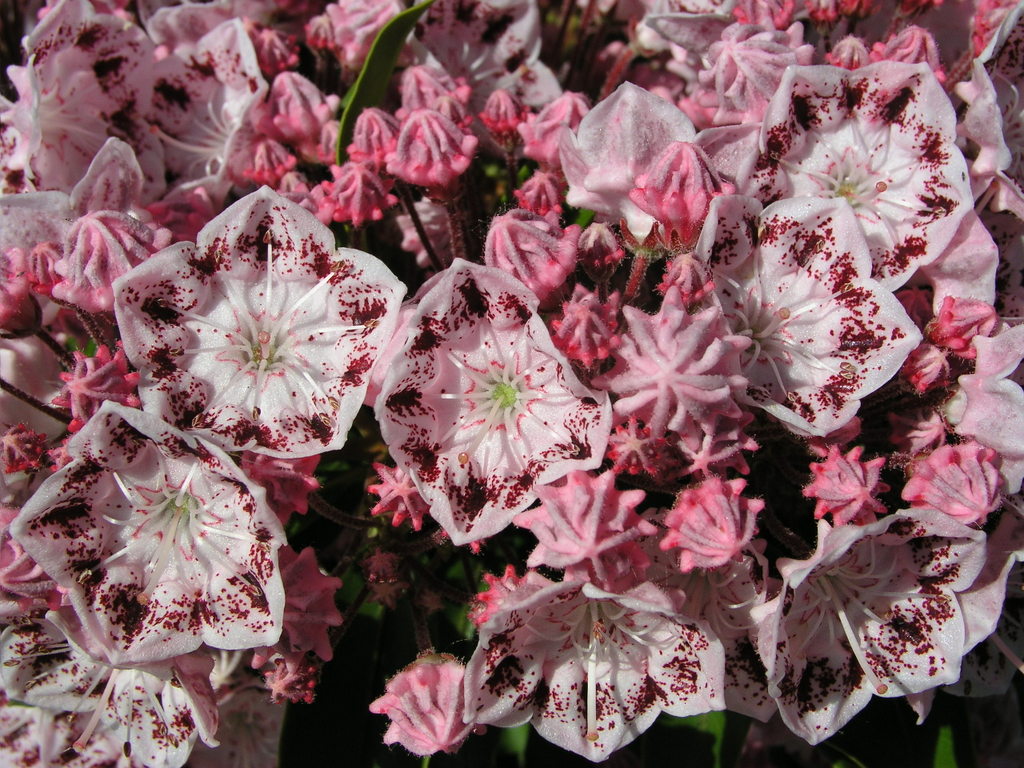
point(945, 756)
point(372, 83)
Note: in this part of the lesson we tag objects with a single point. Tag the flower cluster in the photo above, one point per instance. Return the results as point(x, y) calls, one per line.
point(672, 351)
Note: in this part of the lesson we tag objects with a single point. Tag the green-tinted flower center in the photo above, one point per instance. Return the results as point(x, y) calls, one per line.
point(505, 394)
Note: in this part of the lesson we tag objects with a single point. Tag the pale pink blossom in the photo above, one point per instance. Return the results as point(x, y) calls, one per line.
point(262, 334)
point(158, 710)
point(989, 405)
point(158, 539)
point(823, 332)
point(619, 139)
point(608, 664)
point(479, 407)
point(745, 69)
point(874, 611)
point(426, 705)
point(881, 139)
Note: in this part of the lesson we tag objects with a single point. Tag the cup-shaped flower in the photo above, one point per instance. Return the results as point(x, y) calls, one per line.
point(159, 540)
point(796, 280)
point(479, 407)
point(157, 710)
point(880, 139)
point(589, 669)
point(262, 335)
point(874, 611)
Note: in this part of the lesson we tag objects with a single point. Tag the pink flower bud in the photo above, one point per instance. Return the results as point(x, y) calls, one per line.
point(541, 133)
point(959, 321)
point(600, 252)
point(911, 45)
point(295, 112)
point(536, 250)
point(926, 368)
point(677, 191)
point(288, 482)
point(267, 163)
point(769, 14)
point(423, 85)
point(358, 194)
point(431, 152)
point(17, 312)
point(963, 481)
point(542, 193)
point(94, 380)
point(99, 248)
point(845, 487)
point(849, 53)
point(503, 114)
point(426, 704)
point(349, 28)
point(711, 523)
point(276, 50)
point(918, 431)
point(21, 449)
point(586, 330)
point(374, 136)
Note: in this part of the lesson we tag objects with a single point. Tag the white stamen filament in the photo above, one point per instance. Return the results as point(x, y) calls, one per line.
point(852, 638)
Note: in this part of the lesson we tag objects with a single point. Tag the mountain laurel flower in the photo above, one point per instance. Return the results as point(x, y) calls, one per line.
point(589, 669)
point(880, 139)
point(262, 334)
point(711, 523)
point(795, 279)
point(479, 407)
point(158, 539)
point(876, 610)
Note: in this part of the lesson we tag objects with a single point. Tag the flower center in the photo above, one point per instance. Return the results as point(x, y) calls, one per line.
point(505, 395)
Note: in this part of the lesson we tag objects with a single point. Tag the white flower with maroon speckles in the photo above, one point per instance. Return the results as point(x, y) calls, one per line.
point(591, 670)
point(156, 710)
point(795, 279)
point(158, 539)
point(262, 335)
point(480, 407)
point(874, 611)
point(882, 139)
